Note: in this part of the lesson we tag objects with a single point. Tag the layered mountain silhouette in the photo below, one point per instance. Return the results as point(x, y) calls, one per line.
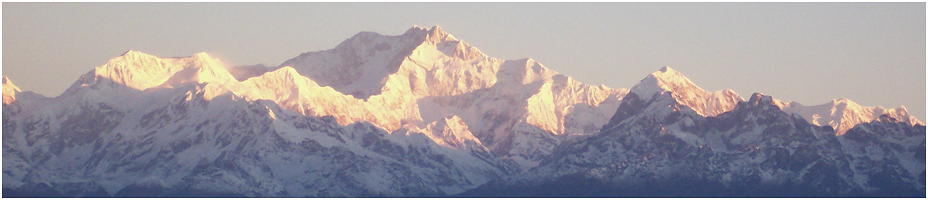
point(424, 114)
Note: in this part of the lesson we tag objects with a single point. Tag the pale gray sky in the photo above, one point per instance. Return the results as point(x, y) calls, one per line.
point(873, 53)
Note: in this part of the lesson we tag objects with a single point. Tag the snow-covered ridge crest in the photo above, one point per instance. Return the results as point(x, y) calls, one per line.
point(843, 114)
point(16, 100)
point(241, 147)
point(141, 71)
point(247, 71)
point(686, 92)
point(755, 141)
point(127, 76)
point(438, 65)
point(424, 63)
point(418, 79)
point(441, 96)
point(426, 74)
point(286, 87)
point(450, 131)
point(9, 90)
point(363, 65)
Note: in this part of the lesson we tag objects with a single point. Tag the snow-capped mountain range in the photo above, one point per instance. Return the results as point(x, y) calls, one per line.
point(656, 145)
point(422, 114)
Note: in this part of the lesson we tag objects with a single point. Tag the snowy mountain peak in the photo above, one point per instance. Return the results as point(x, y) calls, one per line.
point(761, 99)
point(667, 69)
point(7, 83)
point(417, 27)
point(668, 73)
point(436, 34)
point(843, 114)
point(886, 118)
point(247, 71)
point(286, 71)
point(139, 71)
point(902, 114)
point(365, 64)
point(524, 71)
point(899, 116)
point(282, 84)
point(450, 131)
point(203, 56)
point(133, 53)
point(282, 75)
point(421, 113)
point(9, 90)
point(686, 92)
point(284, 79)
point(665, 79)
point(360, 65)
point(845, 102)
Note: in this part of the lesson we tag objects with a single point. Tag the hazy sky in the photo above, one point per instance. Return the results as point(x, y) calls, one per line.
point(873, 53)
